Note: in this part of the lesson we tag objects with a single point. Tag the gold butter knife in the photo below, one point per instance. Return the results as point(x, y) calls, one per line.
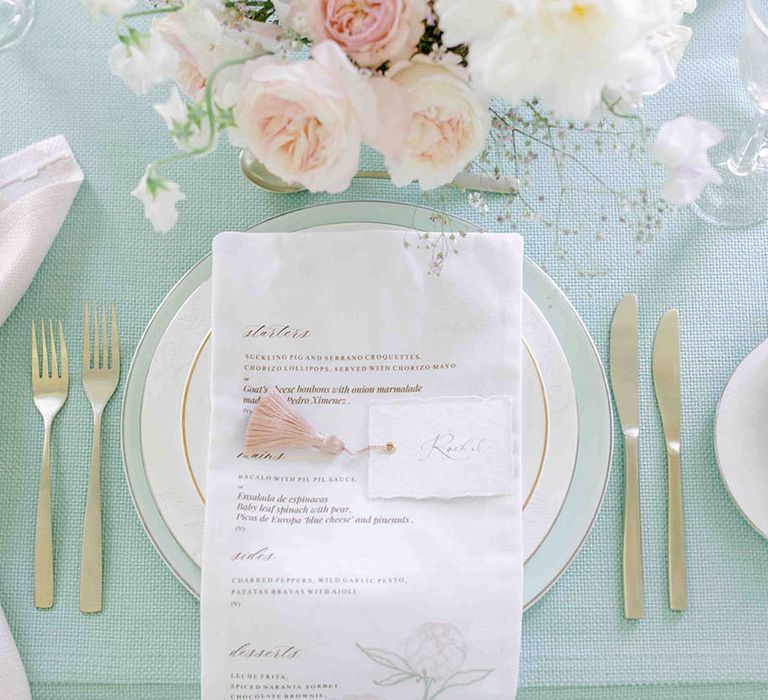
point(666, 379)
point(625, 391)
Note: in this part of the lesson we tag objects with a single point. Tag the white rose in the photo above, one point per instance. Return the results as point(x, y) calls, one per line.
point(448, 127)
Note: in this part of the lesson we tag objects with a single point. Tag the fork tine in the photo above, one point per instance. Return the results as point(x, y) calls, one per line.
point(86, 340)
point(54, 358)
point(46, 374)
point(115, 341)
point(96, 336)
point(104, 346)
point(35, 358)
point(64, 357)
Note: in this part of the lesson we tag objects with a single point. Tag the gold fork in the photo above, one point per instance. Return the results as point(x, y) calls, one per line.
point(99, 382)
point(50, 386)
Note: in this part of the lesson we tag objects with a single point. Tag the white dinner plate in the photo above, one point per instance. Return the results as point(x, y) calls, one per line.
point(741, 438)
point(167, 406)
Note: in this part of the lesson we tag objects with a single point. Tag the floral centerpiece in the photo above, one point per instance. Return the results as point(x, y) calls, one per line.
point(303, 84)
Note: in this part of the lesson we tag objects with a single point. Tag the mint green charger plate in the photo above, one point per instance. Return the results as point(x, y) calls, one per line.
point(595, 418)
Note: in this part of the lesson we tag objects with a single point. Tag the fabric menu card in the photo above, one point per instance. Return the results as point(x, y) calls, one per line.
point(311, 589)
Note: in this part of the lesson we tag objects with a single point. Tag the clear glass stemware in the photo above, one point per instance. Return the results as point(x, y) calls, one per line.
point(15, 19)
point(742, 199)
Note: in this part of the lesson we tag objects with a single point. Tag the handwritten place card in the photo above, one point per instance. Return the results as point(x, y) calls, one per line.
point(444, 448)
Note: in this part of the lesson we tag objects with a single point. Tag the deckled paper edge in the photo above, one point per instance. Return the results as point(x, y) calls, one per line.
point(513, 486)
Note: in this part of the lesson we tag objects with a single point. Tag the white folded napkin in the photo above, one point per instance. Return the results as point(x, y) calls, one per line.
point(37, 187)
point(306, 578)
point(13, 679)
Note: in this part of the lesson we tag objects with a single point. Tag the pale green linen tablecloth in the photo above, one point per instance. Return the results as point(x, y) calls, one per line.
point(576, 644)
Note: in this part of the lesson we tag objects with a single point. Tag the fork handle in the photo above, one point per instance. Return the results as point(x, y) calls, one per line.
point(44, 530)
point(90, 561)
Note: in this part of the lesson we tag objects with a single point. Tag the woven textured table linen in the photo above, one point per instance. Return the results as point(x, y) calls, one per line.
point(576, 644)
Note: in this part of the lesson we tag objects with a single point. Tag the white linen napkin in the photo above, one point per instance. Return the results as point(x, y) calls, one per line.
point(13, 679)
point(305, 578)
point(37, 187)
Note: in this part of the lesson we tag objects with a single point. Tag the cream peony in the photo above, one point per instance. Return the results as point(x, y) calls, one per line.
point(305, 121)
point(448, 127)
point(371, 32)
point(567, 52)
point(681, 146)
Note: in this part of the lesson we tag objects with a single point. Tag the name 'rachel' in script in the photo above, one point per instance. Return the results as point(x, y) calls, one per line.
point(448, 446)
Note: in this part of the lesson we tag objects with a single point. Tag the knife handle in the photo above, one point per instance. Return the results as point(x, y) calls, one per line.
point(678, 584)
point(633, 547)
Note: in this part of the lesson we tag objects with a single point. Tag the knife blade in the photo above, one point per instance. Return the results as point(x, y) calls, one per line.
point(625, 391)
point(666, 380)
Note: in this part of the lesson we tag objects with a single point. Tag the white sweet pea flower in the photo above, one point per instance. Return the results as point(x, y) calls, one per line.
point(159, 197)
point(203, 42)
point(116, 8)
point(682, 146)
point(143, 60)
point(188, 124)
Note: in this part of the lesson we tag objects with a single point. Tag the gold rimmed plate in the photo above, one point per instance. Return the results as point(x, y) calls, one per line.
point(167, 406)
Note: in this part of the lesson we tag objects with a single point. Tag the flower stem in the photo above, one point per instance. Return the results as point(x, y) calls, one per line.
point(154, 11)
point(611, 107)
point(123, 24)
point(208, 99)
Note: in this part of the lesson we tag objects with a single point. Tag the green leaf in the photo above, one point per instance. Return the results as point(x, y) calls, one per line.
point(155, 184)
point(181, 131)
point(196, 113)
point(387, 659)
point(461, 678)
point(397, 678)
point(225, 117)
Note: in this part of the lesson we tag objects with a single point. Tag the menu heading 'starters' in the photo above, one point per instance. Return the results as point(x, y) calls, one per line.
point(275, 330)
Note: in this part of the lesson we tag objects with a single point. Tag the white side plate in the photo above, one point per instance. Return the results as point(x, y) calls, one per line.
point(741, 438)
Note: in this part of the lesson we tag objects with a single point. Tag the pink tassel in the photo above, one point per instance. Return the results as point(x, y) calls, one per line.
point(274, 424)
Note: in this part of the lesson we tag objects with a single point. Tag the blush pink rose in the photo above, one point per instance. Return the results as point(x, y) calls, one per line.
point(305, 121)
point(448, 126)
point(371, 32)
